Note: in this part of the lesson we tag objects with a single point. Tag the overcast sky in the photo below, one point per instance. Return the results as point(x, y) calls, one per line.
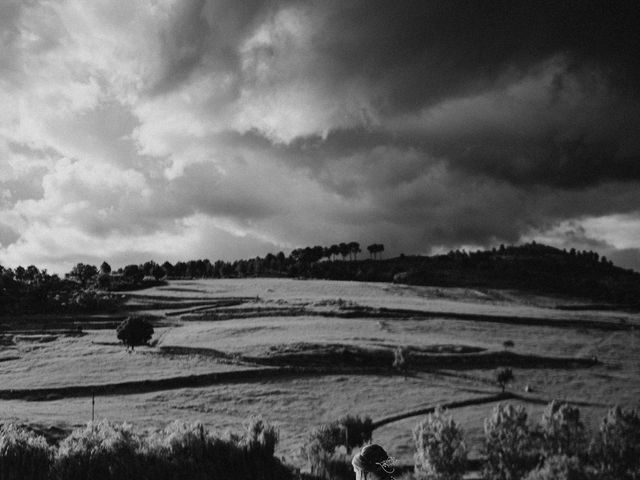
point(179, 129)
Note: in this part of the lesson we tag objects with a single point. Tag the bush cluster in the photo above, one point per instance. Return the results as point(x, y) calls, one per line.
point(327, 447)
point(105, 451)
point(556, 448)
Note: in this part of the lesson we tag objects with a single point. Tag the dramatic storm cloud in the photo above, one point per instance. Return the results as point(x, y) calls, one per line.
point(172, 129)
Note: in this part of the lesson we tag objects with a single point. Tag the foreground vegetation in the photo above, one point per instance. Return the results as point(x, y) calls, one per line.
point(558, 447)
point(106, 451)
point(555, 448)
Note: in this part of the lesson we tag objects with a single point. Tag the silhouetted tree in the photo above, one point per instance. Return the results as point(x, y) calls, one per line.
point(158, 272)
point(354, 249)
point(344, 250)
point(133, 273)
point(168, 268)
point(105, 268)
point(134, 331)
point(83, 273)
point(374, 249)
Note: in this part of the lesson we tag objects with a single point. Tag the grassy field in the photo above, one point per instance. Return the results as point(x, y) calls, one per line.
point(344, 333)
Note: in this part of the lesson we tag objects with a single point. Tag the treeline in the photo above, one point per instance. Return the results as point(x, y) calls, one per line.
point(33, 291)
point(530, 267)
point(557, 447)
point(317, 262)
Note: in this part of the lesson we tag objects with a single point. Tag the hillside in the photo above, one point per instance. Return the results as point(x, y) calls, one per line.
point(532, 268)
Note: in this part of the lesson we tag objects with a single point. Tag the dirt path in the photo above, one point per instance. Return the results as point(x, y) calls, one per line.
point(499, 397)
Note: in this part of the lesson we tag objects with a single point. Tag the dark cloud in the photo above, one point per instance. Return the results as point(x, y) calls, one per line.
point(206, 34)
point(425, 51)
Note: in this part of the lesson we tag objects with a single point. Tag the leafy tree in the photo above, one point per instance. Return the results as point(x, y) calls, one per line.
point(147, 268)
point(134, 331)
point(105, 268)
point(562, 431)
point(133, 273)
point(158, 272)
point(20, 273)
point(83, 273)
point(168, 268)
point(32, 274)
point(509, 444)
point(104, 281)
point(615, 450)
point(503, 377)
point(441, 453)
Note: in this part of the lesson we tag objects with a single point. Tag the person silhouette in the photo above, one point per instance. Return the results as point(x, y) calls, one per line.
point(372, 463)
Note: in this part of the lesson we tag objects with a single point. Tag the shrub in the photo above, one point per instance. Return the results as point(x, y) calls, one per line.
point(329, 465)
point(326, 446)
point(99, 451)
point(509, 445)
point(559, 467)
point(503, 377)
point(23, 455)
point(400, 360)
point(351, 431)
point(562, 431)
point(615, 450)
point(441, 453)
point(134, 331)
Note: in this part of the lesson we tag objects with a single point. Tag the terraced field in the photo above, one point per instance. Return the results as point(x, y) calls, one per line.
point(304, 352)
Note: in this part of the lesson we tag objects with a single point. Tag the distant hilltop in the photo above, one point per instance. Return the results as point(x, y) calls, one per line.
point(532, 267)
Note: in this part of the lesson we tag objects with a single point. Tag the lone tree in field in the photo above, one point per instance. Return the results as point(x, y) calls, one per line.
point(134, 331)
point(503, 377)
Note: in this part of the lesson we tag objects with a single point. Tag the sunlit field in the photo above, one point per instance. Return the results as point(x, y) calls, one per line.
point(326, 350)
